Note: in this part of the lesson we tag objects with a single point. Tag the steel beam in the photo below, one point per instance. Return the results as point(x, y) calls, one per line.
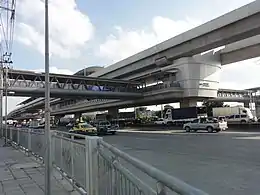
point(75, 79)
point(66, 93)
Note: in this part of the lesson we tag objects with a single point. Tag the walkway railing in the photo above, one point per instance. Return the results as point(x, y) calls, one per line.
point(97, 167)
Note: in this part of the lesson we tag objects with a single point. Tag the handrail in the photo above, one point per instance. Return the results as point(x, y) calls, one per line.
point(171, 182)
point(93, 150)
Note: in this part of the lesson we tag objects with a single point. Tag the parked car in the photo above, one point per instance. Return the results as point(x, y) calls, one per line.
point(160, 121)
point(105, 127)
point(84, 129)
point(208, 124)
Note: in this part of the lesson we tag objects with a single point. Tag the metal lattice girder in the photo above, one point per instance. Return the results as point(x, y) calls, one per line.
point(26, 83)
point(36, 80)
point(233, 93)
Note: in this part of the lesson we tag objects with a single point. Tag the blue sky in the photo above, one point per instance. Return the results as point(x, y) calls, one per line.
point(131, 15)
point(95, 32)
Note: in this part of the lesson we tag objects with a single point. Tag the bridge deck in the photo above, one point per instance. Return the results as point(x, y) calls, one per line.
point(33, 76)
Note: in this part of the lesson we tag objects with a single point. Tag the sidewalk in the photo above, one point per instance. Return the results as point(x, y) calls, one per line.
point(21, 175)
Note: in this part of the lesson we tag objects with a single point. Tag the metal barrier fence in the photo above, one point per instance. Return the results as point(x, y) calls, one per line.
point(98, 167)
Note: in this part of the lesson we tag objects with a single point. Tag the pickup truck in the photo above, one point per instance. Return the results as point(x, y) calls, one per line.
point(208, 124)
point(105, 127)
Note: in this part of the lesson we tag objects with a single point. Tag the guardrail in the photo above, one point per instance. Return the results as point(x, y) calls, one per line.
point(98, 167)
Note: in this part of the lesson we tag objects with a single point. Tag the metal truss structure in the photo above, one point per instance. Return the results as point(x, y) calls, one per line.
point(27, 83)
point(29, 79)
point(222, 93)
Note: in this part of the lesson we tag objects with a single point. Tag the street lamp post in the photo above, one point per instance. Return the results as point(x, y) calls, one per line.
point(6, 85)
point(47, 159)
point(1, 100)
point(161, 111)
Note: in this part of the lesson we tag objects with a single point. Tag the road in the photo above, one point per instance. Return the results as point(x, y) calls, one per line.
point(223, 163)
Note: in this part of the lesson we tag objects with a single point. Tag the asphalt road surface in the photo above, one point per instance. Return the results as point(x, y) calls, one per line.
point(222, 163)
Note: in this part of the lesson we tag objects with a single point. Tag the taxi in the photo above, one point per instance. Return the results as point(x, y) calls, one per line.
point(84, 129)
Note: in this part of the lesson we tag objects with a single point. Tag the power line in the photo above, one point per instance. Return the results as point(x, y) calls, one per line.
point(7, 13)
point(7, 21)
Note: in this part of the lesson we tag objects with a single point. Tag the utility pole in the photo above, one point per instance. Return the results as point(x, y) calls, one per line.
point(6, 85)
point(7, 61)
point(250, 101)
point(161, 111)
point(1, 100)
point(47, 159)
point(6, 7)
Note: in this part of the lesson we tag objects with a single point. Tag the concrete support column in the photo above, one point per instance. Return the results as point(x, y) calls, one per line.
point(185, 103)
point(257, 109)
point(198, 75)
point(113, 112)
point(57, 118)
point(246, 105)
point(77, 115)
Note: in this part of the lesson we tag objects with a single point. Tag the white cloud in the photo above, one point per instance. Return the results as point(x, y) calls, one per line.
point(125, 43)
point(128, 42)
point(70, 29)
point(241, 75)
point(12, 102)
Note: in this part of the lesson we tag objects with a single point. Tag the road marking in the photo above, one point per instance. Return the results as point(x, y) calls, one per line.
point(242, 132)
point(153, 132)
point(250, 138)
point(144, 138)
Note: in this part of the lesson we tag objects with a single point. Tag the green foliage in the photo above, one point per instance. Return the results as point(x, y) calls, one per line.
point(212, 104)
point(158, 114)
point(86, 118)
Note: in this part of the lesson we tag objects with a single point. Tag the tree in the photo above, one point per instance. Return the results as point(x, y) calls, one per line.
point(141, 109)
point(140, 112)
point(86, 118)
point(158, 113)
point(212, 104)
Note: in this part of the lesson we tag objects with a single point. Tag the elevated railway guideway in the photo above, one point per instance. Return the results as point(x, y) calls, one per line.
point(234, 26)
point(160, 96)
point(27, 83)
point(152, 95)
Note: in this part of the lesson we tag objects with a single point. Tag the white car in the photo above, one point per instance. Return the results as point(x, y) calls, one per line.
point(240, 118)
point(160, 121)
point(209, 125)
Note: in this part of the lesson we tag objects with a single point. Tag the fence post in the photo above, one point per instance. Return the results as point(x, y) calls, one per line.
point(114, 178)
point(61, 151)
point(53, 144)
point(18, 138)
point(11, 135)
point(91, 144)
point(29, 142)
point(72, 155)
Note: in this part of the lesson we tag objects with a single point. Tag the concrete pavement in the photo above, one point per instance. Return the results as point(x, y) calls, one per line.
point(22, 175)
point(217, 163)
point(178, 131)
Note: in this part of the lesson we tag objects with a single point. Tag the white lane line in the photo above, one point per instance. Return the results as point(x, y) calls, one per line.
point(151, 139)
point(242, 132)
point(154, 132)
point(250, 138)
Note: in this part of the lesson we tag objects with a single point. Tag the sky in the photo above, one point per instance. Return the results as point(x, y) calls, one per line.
point(87, 33)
